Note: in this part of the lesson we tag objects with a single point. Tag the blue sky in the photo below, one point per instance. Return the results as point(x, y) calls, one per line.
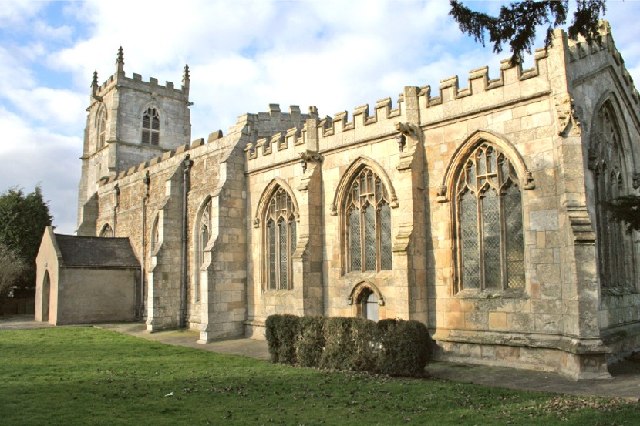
point(243, 55)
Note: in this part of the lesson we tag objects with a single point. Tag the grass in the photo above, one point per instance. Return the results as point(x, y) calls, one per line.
point(71, 375)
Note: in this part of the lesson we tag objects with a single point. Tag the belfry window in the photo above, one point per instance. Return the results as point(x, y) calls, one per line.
point(488, 218)
point(280, 237)
point(367, 224)
point(151, 127)
point(101, 127)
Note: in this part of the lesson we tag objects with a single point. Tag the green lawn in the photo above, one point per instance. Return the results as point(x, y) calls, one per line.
point(71, 375)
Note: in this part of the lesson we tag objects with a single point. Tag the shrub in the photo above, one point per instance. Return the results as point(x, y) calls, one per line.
point(281, 332)
point(338, 351)
point(311, 341)
point(366, 345)
point(405, 345)
point(394, 347)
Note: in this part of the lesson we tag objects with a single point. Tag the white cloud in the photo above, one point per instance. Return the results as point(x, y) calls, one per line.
point(54, 107)
point(243, 54)
point(33, 156)
point(16, 12)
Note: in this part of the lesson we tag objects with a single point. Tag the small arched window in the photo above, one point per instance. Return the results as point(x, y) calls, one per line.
point(151, 127)
point(367, 224)
point(155, 234)
point(488, 217)
point(280, 240)
point(203, 234)
point(101, 127)
point(107, 231)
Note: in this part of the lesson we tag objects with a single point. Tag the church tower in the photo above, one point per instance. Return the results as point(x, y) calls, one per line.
point(129, 121)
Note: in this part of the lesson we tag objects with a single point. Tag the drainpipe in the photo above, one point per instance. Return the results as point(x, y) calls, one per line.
point(116, 204)
point(186, 167)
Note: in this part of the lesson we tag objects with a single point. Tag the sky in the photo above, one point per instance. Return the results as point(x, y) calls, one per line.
point(243, 55)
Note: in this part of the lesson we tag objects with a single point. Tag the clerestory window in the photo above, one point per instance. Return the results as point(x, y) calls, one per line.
point(151, 127)
point(280, 237)
point(367, 224)
point(488, 218)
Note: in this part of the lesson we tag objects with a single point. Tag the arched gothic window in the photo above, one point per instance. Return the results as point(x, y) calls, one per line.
point(280, 240)
point(203, 230)
point(151, 127)
point(107, 231)
point(367, 219)
point(488, 218)
point(615, 245)
point(101, 127)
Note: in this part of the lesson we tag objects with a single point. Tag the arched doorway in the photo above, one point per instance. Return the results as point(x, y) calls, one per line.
point(370, 309)
point(367, 302)
point(46, 290)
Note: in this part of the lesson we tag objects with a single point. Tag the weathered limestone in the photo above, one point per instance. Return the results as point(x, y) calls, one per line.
point(203, 217)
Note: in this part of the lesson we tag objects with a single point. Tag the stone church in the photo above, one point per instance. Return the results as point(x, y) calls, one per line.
point(478, 208)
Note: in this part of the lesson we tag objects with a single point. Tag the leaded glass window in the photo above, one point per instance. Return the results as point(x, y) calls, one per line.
point(151, 127)
point(280, 240)
point(368, 224)
point(488, 213)
point(615, 245)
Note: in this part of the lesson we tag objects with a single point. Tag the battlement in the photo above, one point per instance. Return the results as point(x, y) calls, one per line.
point(333, 132)
point(194, 147)
point(289, 144)
point(581, 50)
point(135, 82)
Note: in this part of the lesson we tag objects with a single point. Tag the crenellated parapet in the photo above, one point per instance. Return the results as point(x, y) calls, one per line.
point(134, 82)
point(328, 133)
point(195, 148)
point(513, 83)
point(600, 54)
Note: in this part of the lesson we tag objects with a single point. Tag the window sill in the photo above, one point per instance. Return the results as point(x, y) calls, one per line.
point(472, 293)
point(277, 292)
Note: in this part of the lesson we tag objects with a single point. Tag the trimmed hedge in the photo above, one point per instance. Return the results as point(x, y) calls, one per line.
point(394, 347)
point(310, 342)
point(282, 333)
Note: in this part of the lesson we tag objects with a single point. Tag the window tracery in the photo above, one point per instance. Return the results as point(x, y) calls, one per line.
point(488, 218)
point(151, 127)
point(367, 219)
point(615, 245)
point(280, 240)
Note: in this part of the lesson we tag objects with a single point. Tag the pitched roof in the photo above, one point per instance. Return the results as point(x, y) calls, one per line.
point(96, 252)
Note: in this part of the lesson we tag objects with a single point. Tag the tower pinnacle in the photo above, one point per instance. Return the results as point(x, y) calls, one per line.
point(186, 79)
point(120, 61)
